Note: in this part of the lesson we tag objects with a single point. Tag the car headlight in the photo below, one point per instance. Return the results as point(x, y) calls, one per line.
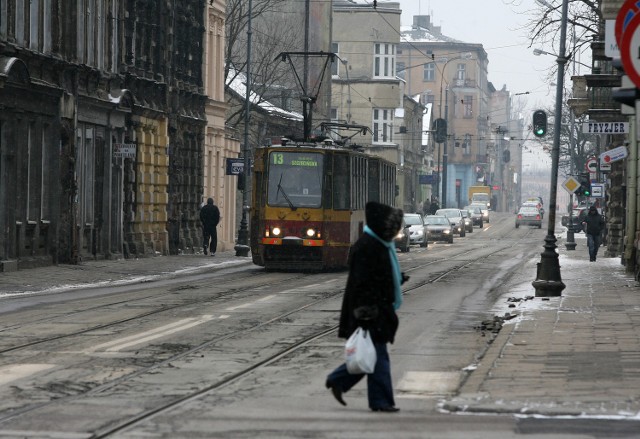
point(400, 235)
point(446, 232)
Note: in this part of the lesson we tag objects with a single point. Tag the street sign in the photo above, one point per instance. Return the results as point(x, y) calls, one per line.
point(571, 185)
point(124, 150)
point(597, 190)
point(615, 154)
point(426, 179)
point(592, 165)
point(626, 12)
point(235, 166)
point(605, 127)
point(629, 45)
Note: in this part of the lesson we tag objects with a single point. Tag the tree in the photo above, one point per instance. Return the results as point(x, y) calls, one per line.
point(271, 79)
point(543, 29)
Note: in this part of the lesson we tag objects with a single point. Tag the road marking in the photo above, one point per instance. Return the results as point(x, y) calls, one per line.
point(416, 384)
point(45, 434)
point(248, 304)
point(16, 371)
point(143, 337)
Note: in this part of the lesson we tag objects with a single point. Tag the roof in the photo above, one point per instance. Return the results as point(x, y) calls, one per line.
point(237, 83)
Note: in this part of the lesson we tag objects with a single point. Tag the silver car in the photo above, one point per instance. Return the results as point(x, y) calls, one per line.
point(417, 229)
point(455, 217)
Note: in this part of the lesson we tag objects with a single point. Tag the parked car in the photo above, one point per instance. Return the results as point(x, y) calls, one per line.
point(439, 228)
point(529, 216)
point(455, 217)
point(402, 238)
point(468, 222)
point(577, 217)
point(417, 229)
point(485, 211)
point(475, 213)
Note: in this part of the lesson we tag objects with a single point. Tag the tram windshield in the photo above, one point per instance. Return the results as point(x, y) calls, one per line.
point(295, 179)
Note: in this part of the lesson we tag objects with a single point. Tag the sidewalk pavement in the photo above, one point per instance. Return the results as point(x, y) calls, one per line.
point(574, 355)
point(90, 274)
point(577, 354)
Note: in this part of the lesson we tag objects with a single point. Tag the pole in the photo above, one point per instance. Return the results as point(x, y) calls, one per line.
point(242, 247)
point(445, 154)
point(548, 280)
point(571, 243)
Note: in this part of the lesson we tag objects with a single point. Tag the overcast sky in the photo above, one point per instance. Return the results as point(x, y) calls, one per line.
point(498, 26)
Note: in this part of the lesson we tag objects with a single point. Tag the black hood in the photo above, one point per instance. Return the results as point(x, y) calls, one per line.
point(384, 220)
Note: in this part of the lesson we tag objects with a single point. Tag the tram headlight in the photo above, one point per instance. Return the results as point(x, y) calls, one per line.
point(276, 231)
point(311, 233)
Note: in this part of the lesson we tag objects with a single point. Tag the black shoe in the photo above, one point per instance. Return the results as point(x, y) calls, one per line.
point(204, 251)
point(390, 409)
point(336, 392)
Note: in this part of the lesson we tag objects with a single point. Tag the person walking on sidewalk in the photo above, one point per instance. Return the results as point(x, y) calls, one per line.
point(594, 223)
point(210, 217)
point(370, 301)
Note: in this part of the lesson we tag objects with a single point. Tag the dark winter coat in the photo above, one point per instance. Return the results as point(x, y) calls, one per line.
point(594, 223)
point(369, 294)
point(209, 215)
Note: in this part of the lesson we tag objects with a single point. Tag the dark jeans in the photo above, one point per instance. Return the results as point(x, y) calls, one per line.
point(593, 242)
point(210, 240)
point(379, 387)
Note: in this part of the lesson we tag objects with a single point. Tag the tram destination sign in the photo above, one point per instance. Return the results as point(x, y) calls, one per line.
point(605, 127)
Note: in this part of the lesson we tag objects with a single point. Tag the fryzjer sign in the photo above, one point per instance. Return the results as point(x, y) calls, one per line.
point(605, 127)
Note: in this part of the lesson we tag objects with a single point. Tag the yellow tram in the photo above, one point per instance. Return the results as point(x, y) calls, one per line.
point(308, 203)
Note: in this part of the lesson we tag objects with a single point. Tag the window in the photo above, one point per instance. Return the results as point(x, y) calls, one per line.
point(341, 187)
point(382, 125)
point(400, 69)
point(3, 18)
point(358, 182)
point(335, 48)
point(429, 73)
point(19, 23)
point(466, 144)
point(461, 72)
point(428, 98)
point(468, 106)
point(384, 60)
point(45, 186)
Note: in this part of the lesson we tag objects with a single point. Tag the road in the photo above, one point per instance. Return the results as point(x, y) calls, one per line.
point(242, 352)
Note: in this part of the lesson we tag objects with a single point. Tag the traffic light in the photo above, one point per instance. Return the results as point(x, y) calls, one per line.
point(440, 126)
point(506, 156)
point(539, 123)
point(585, 186)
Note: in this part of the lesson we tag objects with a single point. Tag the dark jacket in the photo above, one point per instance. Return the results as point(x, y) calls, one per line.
point(369, 294)
point(209, 215)
point(594, 222)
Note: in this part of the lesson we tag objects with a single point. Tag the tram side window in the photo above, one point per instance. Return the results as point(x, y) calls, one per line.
point(358, 183)
point(374, 181)
point(341, 188)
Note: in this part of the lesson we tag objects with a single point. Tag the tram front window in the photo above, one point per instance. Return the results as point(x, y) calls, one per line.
point(295, 179)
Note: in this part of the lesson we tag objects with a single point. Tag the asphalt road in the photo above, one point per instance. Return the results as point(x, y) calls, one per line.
point(240, 352)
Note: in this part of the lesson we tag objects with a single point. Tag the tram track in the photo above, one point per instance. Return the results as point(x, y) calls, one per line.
point(290, 348)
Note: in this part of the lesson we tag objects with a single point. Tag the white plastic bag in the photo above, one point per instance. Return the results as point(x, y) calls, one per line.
point(360, 353)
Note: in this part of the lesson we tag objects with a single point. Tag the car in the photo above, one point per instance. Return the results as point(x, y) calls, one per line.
point(577, 217)
point(439, 228)
point(468, 222)
point(455, 217)
point(475, 213)
point(485, 211)
point(417, 229)
point(529, 216)
point(402, 238)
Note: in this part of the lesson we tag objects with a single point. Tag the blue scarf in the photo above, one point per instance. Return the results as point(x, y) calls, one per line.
point(395, 266)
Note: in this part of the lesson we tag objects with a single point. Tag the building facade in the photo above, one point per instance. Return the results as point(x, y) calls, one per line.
point(452, 76)
point(102, 127)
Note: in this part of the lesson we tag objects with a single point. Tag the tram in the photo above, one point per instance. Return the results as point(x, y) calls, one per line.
point(308, 202)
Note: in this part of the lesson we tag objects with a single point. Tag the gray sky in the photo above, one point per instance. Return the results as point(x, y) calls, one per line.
point(498, 26)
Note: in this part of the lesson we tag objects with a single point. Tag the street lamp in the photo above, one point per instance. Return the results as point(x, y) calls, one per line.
point(242, 247)
point(548, 279)
point(445, 155)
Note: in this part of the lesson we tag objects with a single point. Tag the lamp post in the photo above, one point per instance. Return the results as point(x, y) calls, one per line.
point(242, 246)
point(548, 280)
